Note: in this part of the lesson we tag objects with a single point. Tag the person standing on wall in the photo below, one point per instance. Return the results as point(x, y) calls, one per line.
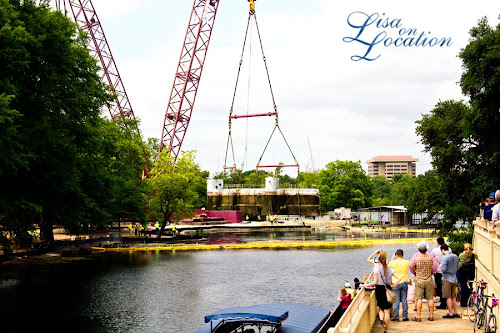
point(495, 217)
point(401, 267)
point(436, 252)
point(488, 209)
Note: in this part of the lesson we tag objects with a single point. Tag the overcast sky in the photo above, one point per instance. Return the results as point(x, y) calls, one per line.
point(349, 110)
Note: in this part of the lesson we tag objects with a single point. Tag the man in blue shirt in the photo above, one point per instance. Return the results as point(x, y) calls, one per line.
point(488, 209)
point(449, 267)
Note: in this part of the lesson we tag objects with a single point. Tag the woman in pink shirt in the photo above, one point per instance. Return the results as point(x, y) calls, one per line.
point(345, 299)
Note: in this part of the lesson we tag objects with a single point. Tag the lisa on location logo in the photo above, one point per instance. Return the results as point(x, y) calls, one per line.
point(373, 31)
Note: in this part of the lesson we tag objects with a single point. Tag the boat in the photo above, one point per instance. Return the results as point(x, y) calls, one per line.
point(273, 318)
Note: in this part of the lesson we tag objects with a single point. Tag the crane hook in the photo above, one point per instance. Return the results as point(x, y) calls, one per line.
point(252, 6)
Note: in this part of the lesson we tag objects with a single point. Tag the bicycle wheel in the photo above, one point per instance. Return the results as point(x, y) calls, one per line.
point(491, 327)
point(479, 320)
point(471, 308)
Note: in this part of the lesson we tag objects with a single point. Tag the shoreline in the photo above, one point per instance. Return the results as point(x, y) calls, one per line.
point(169, 244)
point(261, 245)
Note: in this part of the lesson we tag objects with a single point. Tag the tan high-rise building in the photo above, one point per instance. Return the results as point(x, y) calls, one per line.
point(390, 165)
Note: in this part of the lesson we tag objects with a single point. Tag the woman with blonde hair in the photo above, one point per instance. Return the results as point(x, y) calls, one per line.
point(382, 277)
point(466, 272)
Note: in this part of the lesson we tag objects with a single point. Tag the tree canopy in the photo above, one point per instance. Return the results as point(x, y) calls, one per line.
point(344, 184)
point(175, 189)
point(62, 162)
point(462, 136)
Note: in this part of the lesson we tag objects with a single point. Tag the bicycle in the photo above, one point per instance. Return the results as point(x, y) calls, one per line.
point(489, 322)
point(475, 299)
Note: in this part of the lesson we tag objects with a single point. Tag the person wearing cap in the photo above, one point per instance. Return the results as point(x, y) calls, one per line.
point(436, 252)
point(495, 216)
point(348, 288)
point(488, 209)
point(400, 266)
point(423, 266)
point(449, 266)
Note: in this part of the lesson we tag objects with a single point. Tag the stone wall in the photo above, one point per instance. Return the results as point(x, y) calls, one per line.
point(486, 244)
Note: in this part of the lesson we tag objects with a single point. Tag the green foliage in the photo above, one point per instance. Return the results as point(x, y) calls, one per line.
point(62, 162)
point(175, 189)
point(461, 137)
point(255, 178)
point(308, 179)
point(344, 184)
point(457, 238)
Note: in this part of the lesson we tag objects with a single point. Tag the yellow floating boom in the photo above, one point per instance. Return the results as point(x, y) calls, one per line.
point(263, 245)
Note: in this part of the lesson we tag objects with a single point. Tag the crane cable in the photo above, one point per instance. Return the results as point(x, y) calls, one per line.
point(245, 157)
point(274, 102)
point(230, 139)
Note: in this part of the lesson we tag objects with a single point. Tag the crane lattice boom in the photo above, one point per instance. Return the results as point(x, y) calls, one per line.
point(187, 76)
point(86, 17)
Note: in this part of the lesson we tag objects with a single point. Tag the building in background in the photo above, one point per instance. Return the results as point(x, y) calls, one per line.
point(391, 165)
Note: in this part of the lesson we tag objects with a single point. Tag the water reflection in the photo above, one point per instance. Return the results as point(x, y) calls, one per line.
point(173, 291)
point(304, 235)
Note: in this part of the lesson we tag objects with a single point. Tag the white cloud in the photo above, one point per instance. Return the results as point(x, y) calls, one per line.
point(349, 109)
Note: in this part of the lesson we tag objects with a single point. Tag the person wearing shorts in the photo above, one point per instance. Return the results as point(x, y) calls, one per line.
point(449, 267)
point(423, 266)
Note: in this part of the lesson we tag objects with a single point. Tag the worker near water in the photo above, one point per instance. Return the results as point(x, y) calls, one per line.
point(157, 227)
point(174, 231)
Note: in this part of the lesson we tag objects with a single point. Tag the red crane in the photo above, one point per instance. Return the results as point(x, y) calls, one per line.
point(187, 76)
point(86, 17)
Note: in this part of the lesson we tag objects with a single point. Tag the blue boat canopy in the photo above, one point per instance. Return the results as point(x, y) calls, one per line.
point(287, 317)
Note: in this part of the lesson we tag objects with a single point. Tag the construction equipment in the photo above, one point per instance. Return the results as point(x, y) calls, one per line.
point(186, 79)
point(85, 16)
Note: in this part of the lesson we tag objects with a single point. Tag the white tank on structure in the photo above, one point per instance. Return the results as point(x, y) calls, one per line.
point(215, 185)
point(272, 183)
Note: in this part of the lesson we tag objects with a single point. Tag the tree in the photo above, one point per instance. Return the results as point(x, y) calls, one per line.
point(344, 184)
point(308, 179)
point(61, 162)
point(461, 137)
point(175, 189)
point(381, 191)
point(426, 195)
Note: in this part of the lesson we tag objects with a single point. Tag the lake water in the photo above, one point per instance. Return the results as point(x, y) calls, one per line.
point(173, 291)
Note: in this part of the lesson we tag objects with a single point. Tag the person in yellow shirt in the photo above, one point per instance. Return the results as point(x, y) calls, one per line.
point(401, 267)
